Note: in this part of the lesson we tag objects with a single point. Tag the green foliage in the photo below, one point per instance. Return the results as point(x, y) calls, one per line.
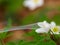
point(15, 4)
point(0, 43)
point(29, 19)
point(56, 37)
point(10, 43)
point(36, 43)
point(56, 19)
point(9, 23)
point(5, 34)
point(58, 8)
point(38, 39)
point(1, 1)
point(37, 17)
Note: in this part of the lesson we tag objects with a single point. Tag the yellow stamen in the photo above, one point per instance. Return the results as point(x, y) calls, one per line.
point(55, 29)
point(35, 1)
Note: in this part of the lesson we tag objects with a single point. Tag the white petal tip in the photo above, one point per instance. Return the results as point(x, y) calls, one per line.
point(37, 31)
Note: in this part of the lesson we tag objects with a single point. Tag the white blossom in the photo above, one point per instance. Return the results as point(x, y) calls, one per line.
point(44, 27)
point(33, 4)
point(54, 28)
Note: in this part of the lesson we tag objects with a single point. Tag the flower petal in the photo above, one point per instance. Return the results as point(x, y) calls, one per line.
point(54, 32)
point(40, 24)
point(32, 7)
point(41, 30)
point(40, 3)
point(46, 24)
point(26, 3)
point(57, 32)
point(43, 24)
point(29, 4)
point(53, 24)
point(59, 28)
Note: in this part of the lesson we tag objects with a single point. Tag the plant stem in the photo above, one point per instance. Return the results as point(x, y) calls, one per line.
point(53, 36)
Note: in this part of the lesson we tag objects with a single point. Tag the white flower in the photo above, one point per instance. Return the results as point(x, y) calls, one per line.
point(44, 27)
point(33, 4)
point(55, 29)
